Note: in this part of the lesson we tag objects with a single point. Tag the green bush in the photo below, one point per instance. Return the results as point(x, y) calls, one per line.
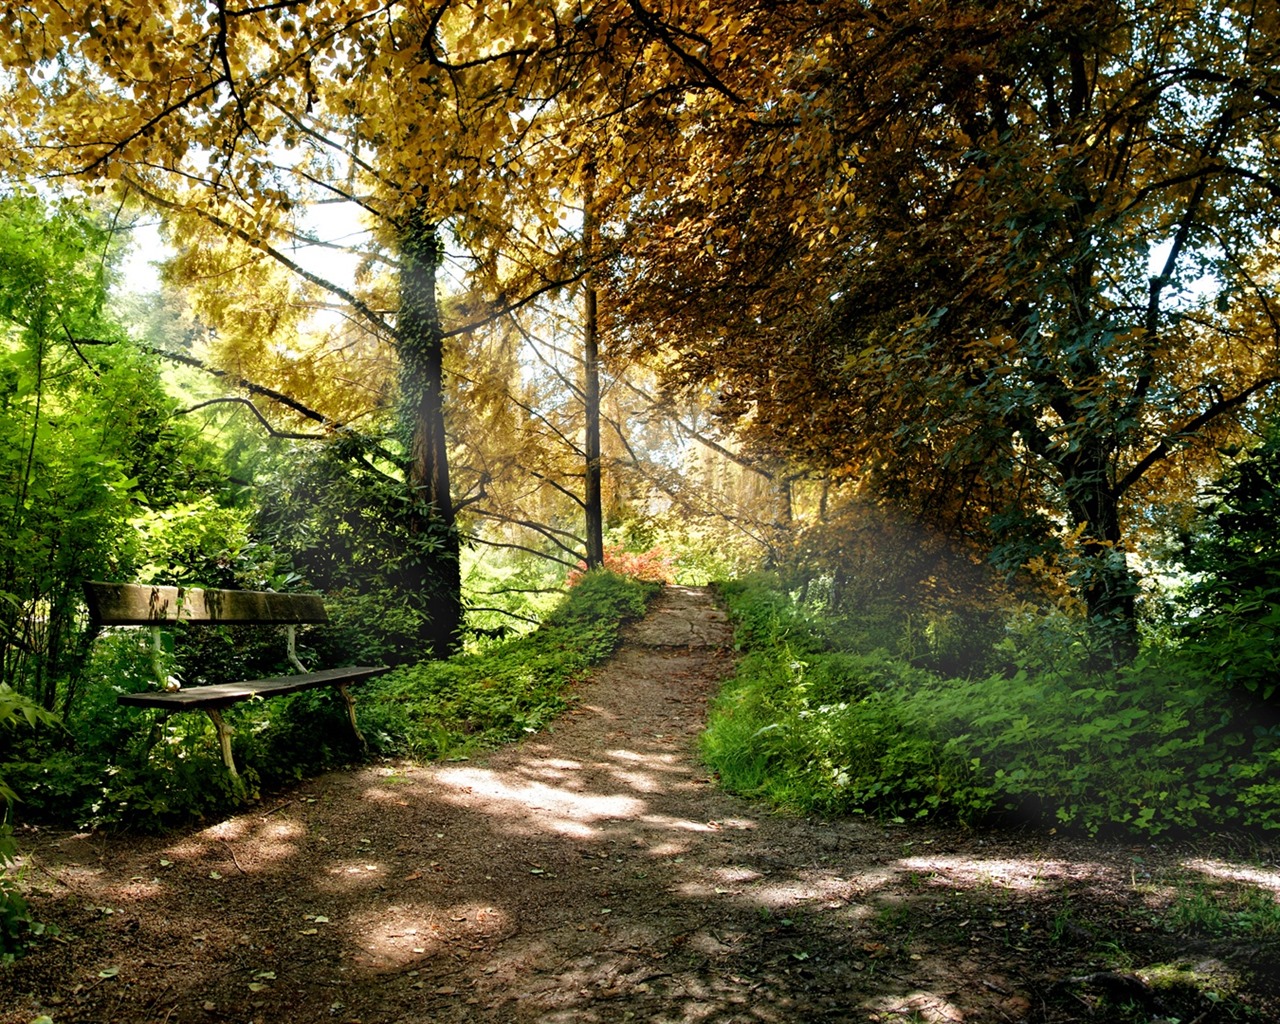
point(439, 709)
point(1233, 629)
point(1153, 747)
point(16, 922)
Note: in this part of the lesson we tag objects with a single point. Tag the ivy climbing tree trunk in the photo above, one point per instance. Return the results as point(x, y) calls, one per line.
point(1106, 582)
point(431, 574)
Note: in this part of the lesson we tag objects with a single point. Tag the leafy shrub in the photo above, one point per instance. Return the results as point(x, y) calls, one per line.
point(15, 919)
point(349, 529)
point(603, 595)
point(652, 566)
point(1153, 747)
point(1233, 630)
point(438, 709)
point(765, 616)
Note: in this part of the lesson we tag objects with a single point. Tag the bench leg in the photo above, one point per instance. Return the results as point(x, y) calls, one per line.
point(224, 739)
point(351, 715)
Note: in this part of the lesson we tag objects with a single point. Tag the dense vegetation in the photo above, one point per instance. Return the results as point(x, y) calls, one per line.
point(822, 718)
point(959, 317)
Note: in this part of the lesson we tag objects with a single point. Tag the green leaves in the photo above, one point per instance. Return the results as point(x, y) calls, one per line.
point(1232, 624)
point(1151, 748)
point(439, 709)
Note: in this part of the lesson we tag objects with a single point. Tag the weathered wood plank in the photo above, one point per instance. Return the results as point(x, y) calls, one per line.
point(224, 694)
point(131, 604)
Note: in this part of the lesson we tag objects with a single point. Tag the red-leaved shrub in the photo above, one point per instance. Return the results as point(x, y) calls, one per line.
point(652, 566)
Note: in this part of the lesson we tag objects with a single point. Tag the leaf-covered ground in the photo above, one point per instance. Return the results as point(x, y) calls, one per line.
point(595, 873)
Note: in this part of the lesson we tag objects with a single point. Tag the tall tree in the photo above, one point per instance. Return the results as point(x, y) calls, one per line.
point(1015, 262)
point(425, 116)
point(238, 118)
point(592, 502)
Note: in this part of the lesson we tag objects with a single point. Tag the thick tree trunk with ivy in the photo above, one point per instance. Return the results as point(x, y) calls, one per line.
point(430, 575)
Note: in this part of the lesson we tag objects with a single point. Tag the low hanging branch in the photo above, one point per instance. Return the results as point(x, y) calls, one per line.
point(503, 611)
point(527, 550)
point(248, 385)
point(332, 426)
point(287, 434)
point(551, 533)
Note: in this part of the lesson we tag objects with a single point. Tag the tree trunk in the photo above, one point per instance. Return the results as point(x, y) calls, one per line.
point(592, 501)
point(431, 575)
point(1105, 580)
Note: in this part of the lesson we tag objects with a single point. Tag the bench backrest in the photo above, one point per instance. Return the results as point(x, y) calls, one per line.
point(132, 604)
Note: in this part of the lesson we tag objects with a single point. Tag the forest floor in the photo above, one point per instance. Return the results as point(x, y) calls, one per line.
point(595, 873)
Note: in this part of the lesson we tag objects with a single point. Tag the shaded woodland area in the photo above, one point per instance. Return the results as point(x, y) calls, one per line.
point(942, 337)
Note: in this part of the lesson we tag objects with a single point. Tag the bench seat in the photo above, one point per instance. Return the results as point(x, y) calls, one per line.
point(222, 695)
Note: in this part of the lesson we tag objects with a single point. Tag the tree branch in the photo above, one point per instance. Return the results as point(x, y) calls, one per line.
point(549, 532)
point(262, 246)
point(509, 308)
point(503, 611)
point(660, 29)
point(527, 550)
point(1165, 448)
point(289, 434)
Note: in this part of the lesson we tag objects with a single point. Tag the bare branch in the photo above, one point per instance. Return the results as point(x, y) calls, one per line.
point(527, 550)
point(503, 611)
point(261, 245)
point(509, 308)
point(235, 400)
point(1166, 446)
point(549, 532)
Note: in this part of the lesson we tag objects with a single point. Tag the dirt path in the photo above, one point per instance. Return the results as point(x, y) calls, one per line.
point(591, 874)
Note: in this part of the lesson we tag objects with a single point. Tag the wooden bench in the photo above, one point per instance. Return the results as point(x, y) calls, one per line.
point(131, 604)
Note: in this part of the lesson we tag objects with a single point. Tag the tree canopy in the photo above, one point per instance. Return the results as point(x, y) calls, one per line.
point(1010, 265)
point(1013, 262)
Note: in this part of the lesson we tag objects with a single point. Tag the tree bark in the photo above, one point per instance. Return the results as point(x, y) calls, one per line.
point(431, 574)
point(1107, 584)
point(592, 500)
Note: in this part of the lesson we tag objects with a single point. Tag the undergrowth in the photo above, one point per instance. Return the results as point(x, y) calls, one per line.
point(811, 722)
point(450, 708)
point(115, 766)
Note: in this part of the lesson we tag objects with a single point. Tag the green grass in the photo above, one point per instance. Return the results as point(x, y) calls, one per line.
point(1247, 912)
